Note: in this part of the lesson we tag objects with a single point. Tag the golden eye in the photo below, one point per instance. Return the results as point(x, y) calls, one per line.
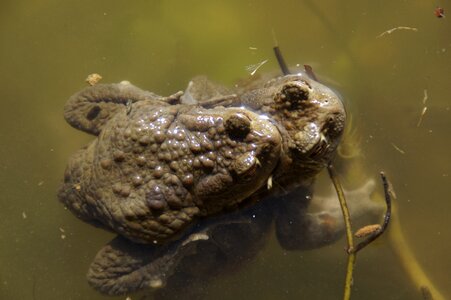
point(237, 126)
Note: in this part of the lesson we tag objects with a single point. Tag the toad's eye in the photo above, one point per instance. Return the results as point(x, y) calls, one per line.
point(295, 93)
point(237, 126)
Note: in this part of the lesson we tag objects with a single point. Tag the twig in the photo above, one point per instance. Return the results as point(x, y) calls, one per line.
point(347, 220)
point(398, 149)
point(309, 70)
point(387, 218)
point(423, 112)
point(279, 56)
point(351, 249)
point(425, 96)
point(281, 61)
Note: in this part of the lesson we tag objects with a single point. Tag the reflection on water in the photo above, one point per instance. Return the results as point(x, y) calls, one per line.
point(49, 48)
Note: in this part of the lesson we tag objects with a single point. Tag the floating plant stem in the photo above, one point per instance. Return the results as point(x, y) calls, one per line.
point(347, 220)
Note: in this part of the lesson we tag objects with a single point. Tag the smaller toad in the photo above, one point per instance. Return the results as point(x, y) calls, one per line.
point(309, 116)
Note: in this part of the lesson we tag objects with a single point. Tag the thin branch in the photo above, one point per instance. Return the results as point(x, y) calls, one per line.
point(281, 61)
point(398, 149)
point(351, 250)
point(309, 71)
point(347, 220)
point(343, 204)
point(387, 218)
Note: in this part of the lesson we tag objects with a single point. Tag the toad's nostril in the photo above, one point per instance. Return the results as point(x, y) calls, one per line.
point(237, 126)
point(295, 92)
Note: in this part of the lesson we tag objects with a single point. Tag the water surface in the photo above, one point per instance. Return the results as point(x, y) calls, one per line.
point(49, 47)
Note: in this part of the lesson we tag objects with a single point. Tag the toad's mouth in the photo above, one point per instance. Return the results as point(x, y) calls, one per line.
point(315, 145)
point(320, 149)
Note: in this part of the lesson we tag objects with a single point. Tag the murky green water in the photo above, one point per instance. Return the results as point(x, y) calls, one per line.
point(48, 48)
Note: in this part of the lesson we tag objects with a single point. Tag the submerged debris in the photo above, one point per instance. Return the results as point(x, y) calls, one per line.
point(252, 69)
point(156, 283)
point(425, 108)
point(425, 97)
point(390, 31)
point(63, 235)
point(439, 12)
point(269, 183)
point(423, 112)
point(195, 237)
point(398, 149)
point(93, 78)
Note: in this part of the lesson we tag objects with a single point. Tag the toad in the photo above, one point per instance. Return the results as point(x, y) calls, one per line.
point(158, 163)
point(156, 167)
point(309, 116)
point(197, 169)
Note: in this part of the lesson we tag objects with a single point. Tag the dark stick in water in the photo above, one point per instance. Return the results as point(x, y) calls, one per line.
point(387, 217)
point(283, 66)
point(281, 61)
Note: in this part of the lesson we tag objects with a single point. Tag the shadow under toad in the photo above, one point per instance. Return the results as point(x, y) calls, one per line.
point(183, 268)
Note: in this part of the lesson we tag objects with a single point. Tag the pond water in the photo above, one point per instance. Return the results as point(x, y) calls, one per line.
point(49, 47)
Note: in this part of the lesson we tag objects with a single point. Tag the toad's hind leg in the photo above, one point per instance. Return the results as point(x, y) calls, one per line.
point(296, 229)
point(299, 229)
point(90, 108)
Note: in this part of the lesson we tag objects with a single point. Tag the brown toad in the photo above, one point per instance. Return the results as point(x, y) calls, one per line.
point(226, 242)
point(309, 116)
point(156, 167)
point(161, 164)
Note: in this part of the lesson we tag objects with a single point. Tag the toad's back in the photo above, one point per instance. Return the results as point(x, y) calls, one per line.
point(155, 168)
